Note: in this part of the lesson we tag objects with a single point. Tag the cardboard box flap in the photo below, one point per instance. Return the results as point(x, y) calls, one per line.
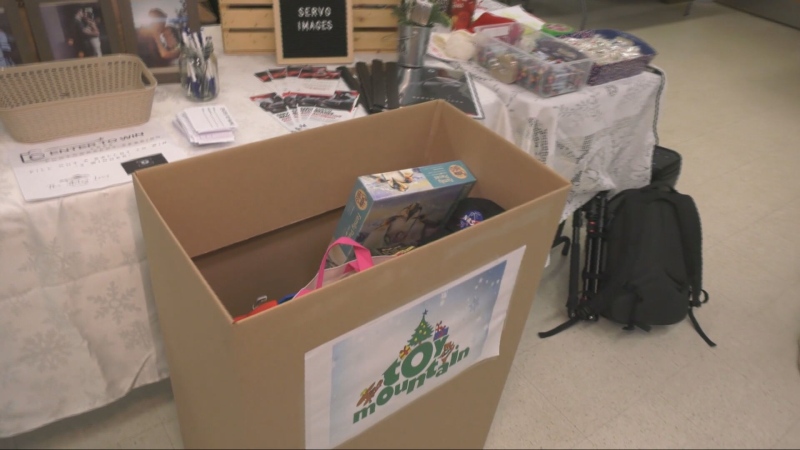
point(480, 148)
point(320, 166)
point(210, 211)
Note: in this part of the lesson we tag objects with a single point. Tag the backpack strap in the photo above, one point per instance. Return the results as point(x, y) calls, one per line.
point(691, 236)
point(632, 322)
point(696, 325)
point(692, 239)
point(636, 200)
point(584, 312)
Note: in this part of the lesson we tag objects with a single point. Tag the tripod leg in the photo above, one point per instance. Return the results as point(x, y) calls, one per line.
point(560, 239)
point(594, 230)
point(573, 297)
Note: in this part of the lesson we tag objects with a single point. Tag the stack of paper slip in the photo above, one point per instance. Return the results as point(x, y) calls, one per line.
point(206, 124)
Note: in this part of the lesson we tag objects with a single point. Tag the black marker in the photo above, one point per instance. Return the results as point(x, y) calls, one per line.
point(364, 79)
point(392, 85)
point(378, 86)
point(351, 83)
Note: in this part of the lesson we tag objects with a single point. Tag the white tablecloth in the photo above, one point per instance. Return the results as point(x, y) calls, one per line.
point(77, 322)
point(600, 137)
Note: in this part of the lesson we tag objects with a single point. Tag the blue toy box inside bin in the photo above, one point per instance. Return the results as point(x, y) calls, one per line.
point(603, 73)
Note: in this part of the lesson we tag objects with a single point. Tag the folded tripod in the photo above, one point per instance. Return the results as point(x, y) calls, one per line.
point(578, 300)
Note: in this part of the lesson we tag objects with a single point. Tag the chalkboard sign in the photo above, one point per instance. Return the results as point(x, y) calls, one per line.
point(314, 31)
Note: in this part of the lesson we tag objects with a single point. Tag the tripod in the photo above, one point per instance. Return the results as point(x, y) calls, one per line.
point(578, 297)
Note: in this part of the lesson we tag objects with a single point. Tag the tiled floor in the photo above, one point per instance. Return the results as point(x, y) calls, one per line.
point(731, 108)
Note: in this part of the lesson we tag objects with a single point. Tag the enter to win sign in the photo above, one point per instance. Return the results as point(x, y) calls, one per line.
point(314, 31)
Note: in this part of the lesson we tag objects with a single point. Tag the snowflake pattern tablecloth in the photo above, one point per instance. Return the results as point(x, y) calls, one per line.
point(601, 138)
point(78, 327)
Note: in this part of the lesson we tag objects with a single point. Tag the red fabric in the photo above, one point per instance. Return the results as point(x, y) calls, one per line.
point(262, 307)
point(488, 19)
point(461, 12)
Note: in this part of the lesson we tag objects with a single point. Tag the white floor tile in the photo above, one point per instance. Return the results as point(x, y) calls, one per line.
point(646, 424)
point(724, 406)
point(791, 440)
point(526, 419)
point(782, 222)
point(575, 372)
point(585, 444)
point(152, 438)
point(741, 203)
point(104, 427)
point(174, 432)
point(775, 254)
point(716, 153)
point(746, 286)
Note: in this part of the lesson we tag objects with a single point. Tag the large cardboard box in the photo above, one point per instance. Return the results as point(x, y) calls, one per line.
point(224, 228)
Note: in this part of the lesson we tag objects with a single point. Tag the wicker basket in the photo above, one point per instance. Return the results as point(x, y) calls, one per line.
point(44, 101)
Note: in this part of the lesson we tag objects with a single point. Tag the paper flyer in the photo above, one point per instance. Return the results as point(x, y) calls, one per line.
point(365, 375)
point(273, 104)
point(431, 83)
point(315, 110)
point(298, 111)
point(311, 79)
point(88, 162)
point(204, 125)
point(306, 96)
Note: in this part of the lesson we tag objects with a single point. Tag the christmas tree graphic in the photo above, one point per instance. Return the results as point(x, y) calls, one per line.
point(423, 331)
point(406, 374)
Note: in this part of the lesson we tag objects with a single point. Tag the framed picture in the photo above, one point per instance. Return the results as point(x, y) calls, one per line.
point(15, 44)
point(65, 29)
point(153, 31)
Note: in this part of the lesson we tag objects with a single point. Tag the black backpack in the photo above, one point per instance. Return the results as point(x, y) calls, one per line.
point(644, 261)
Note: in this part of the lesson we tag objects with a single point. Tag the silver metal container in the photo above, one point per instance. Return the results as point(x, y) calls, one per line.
point(412, 44)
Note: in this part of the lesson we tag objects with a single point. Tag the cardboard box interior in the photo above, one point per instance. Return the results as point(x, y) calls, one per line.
point(224, 228)
point(241, 264)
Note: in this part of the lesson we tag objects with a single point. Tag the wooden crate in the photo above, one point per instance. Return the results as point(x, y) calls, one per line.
point(248, 26)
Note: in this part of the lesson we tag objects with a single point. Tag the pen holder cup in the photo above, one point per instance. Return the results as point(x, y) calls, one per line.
point(199, 73)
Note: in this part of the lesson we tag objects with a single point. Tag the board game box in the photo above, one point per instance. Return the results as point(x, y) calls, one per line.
point(388, 212)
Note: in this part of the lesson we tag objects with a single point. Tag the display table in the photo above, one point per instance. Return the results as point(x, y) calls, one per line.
point(601, 138)
point(78, 328)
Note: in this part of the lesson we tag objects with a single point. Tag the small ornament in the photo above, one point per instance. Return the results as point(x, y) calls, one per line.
point(460, 45)
point(505, 68)
point(606, 51)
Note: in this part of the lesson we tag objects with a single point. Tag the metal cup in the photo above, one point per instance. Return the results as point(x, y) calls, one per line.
point(412, 44)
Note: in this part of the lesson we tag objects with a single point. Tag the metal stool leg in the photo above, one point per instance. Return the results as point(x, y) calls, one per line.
point(584, 13)
point(688, 8)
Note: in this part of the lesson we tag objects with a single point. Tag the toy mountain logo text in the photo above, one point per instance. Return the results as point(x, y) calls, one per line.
point(364, 376)
point(428, 354)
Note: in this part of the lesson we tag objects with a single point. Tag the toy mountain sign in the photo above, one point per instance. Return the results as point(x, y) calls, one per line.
point(313, 31)
point(374, 370)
